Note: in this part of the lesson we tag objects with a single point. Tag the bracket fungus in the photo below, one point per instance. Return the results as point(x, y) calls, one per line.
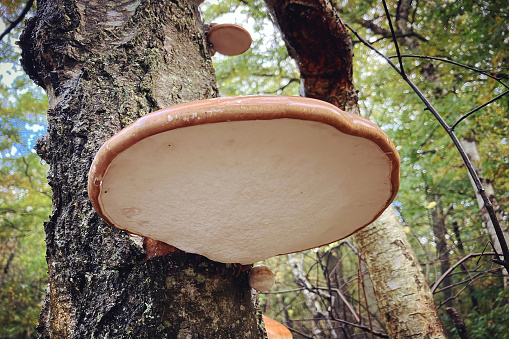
point(276, 330)
point(261, 278)
point(228, 39)
point(242, 179)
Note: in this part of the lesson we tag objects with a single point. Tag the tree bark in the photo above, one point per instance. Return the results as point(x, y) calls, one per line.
point(103, 64)
point(470, 146)
point(321, 45)
point(440, 232)
point(403, 295)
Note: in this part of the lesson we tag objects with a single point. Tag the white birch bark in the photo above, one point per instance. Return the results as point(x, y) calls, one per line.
point(403, 295)
point(470, 147)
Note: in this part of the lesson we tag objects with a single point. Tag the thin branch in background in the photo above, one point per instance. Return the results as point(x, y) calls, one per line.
point(365, 328)
point(466, 115)
point(347, 304)
point(400, 59)
point(483, 72)
point(435, 285)
point(475, 178)
point(299, 333)
point(470, 282)
point(470, 279)
point(284, 291)
point(18, 20)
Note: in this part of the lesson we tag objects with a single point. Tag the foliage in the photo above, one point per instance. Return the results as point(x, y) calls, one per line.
point(24, 194)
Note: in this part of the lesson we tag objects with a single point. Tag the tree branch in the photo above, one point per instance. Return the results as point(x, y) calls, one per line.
point(393, 33)
point(435, 285)
point(466, 115)
point(498, 79)
point(20, 18)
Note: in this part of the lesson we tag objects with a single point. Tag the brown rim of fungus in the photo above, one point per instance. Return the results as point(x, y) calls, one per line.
point(228, 39)
point(242, 179)
point(276, 330)
point(261, 278)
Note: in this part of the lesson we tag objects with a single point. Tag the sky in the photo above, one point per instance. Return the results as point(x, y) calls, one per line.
point(8, 70)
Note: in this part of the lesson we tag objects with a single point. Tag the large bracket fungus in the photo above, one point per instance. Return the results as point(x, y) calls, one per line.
point(242, 179)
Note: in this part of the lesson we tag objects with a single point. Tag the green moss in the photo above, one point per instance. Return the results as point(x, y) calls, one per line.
point(189, 272)
point(200, 278)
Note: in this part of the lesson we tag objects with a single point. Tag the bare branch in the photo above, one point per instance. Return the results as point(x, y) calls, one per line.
point(466, 115)
point(435, 285)
point(18, 20)
point(498, 79)
point(394, 38)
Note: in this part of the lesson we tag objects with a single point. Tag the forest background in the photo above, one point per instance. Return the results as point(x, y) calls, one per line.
point(436, 204)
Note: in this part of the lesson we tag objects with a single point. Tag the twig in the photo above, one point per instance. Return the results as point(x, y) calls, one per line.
point(470, 279)
point(435, 285)
point(477, 276)
point(18, 20)
point(466, 115)
point(454, 63)
point(378, 334)
point(361, 279)
point(347, 304)
point(400, 59)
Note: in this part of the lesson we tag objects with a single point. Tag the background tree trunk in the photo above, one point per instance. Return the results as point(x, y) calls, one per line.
point(470, 146)
point(403, 295)
point(103, 65)
point(440, 233)
point(317, 39)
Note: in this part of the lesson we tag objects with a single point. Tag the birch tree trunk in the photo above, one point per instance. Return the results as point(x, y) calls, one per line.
point(470, 146)
point(103, 64)
point(319, 42)
point(403, 295)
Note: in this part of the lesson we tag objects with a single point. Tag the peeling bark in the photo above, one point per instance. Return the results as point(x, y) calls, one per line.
point(320, 44)
point(103, 64)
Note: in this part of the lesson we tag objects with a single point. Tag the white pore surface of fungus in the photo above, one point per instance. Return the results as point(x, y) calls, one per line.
point(244, 191)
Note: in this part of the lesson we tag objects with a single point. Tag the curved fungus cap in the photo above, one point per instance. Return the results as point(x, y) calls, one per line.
point(229, 39)
point(276, 330)
point(242, 179)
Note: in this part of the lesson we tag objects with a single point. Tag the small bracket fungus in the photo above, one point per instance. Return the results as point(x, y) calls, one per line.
point(243, 179)
point(261, 278)
point(276, 330)
point(228, 39)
